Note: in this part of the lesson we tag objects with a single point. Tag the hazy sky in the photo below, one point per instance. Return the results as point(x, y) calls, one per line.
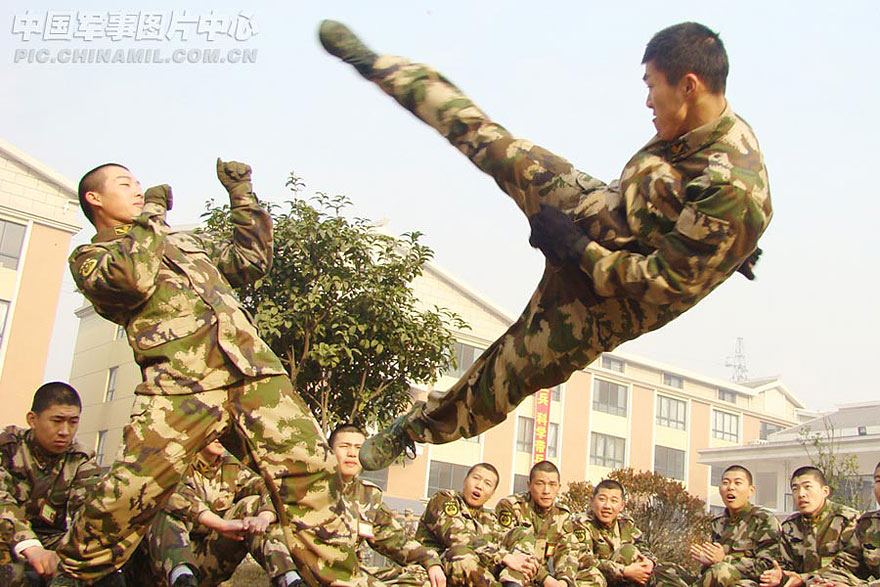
point(563, 74)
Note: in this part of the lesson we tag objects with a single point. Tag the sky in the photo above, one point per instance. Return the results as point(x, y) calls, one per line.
point(566, 75)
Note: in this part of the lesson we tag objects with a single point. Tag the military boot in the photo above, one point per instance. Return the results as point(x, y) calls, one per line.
point(382, 449)
point(338, 40)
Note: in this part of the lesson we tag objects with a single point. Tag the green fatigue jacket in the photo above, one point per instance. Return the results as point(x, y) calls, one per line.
point(555, 543)
point(860, 557)
point(605, 541)
point(449, 522)
point(750, 540)
point(172, 291)
point(39, 492)
point(215, 486)
point(379, 527)
point(811, 542)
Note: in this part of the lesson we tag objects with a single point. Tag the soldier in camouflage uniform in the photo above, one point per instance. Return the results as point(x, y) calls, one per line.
point(469, 537)
point(745, 538)
point(859, 561)
point(812, 536)
point(206, 372)
point(45, 476)
point(220, 512)
point(618, 552)
point(542, 527)
point(377, 525)
point(623, 258)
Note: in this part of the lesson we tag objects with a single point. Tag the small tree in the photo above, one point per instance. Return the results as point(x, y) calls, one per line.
point(841, 470)
point(670, 518)
point(338, 308)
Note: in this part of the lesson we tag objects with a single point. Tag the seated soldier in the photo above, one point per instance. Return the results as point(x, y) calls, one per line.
point(220, 512)
point(620, 555)
point(542, 527)
point(468, 536)
point(812, 536)
point(377, 524)
point(745, 538)
point(45, 476)
point(859, 561)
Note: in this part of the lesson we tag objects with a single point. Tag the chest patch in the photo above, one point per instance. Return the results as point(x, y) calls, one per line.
point(505, 518)
point(450, 508)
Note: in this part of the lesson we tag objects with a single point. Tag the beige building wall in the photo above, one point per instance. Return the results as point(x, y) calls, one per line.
point(41, 205)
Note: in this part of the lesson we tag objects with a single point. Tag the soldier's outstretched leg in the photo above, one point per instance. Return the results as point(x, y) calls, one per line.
point(565, 325)
point(168, 546)
point(464, 568)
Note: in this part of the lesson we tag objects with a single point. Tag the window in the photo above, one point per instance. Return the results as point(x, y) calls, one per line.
point(11, 239)
point(673, 381)
point(525, 434)
point(862, 430)
point(445, 476)
point(120, 332)
point(472, 439)
point(609, 397)
point(465, 355)
point(726, 426)
point(556, 393)
point(520, 483)
point(553, 440)
point(717, 473)
point(111, 384)
point(767, 429)
point(669, 462)
point(726, 395)
point(379, 477)
point(607, 451)
point(613, 364)
point(671, 412)
point(100, 443)
point(4, 312)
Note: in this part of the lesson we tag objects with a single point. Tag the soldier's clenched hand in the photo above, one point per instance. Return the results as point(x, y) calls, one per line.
point(235, 176)
point(43, 561)
point(557, 236)
point(159, 194)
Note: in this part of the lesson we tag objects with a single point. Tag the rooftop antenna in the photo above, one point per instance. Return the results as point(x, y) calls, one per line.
point(738, 362)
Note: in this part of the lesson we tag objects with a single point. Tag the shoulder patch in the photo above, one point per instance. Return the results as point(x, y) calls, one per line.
point(580, 534)
point(450, 508)
point(87, 267)
point(505, 518)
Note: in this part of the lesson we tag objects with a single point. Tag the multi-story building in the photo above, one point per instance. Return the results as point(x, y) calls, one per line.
point(622, 411)
point(38, 217)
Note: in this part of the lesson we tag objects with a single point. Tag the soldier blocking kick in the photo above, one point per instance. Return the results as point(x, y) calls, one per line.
point(45, 477)
point(206, 373)
point(623, 258)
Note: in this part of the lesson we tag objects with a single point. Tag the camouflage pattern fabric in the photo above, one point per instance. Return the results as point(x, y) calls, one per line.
point(751, 544)
point(811, 542)
point(549, 536)
point(378, 527)
point(859, 561)
point(38, 494)
point(683, 217)
point(206, 373)
point(469, 540)
point(610, 548)
point(232, 491)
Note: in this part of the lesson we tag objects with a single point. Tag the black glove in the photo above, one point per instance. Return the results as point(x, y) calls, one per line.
point(748, 266)
point(557, 236)
point(159, 194)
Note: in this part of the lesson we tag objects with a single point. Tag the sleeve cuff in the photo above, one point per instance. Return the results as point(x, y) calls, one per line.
point(24, 545)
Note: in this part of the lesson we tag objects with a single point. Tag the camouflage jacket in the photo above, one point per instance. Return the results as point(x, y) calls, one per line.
point(684, 216)
point(172, 291)
point(809, 543)
point(554, 541)
point(750, 540)
point(39, 492)
point(449, 521)
point(603, 541)
point(860, 557)
point(379, 527)
point(215, 486)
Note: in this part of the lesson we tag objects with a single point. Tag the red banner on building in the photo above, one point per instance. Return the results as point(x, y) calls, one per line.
point(542, 419)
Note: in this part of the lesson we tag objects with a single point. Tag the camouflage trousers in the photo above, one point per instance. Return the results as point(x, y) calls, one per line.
point(408, 576)
point(18, 573)
point(172, 542)
point(282, 439)
point(715, 575)
point(664, 574)
point(566, 324)
point(465, 568)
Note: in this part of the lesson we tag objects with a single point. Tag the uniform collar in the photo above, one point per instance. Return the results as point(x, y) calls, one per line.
point(41, 455)
point(111, 233)
point(691, 142)
point(206, 467)
point(740, 514)
point(819, 515)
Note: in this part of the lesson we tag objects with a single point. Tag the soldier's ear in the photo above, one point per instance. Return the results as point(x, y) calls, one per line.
point(31, 419)
point(826, 490)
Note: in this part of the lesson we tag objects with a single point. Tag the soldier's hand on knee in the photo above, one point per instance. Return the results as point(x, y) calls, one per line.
point(232, 529)
point(258, 524)
point(235, 176)
point(437, 576)
point(521, 562)
point(44, 562)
